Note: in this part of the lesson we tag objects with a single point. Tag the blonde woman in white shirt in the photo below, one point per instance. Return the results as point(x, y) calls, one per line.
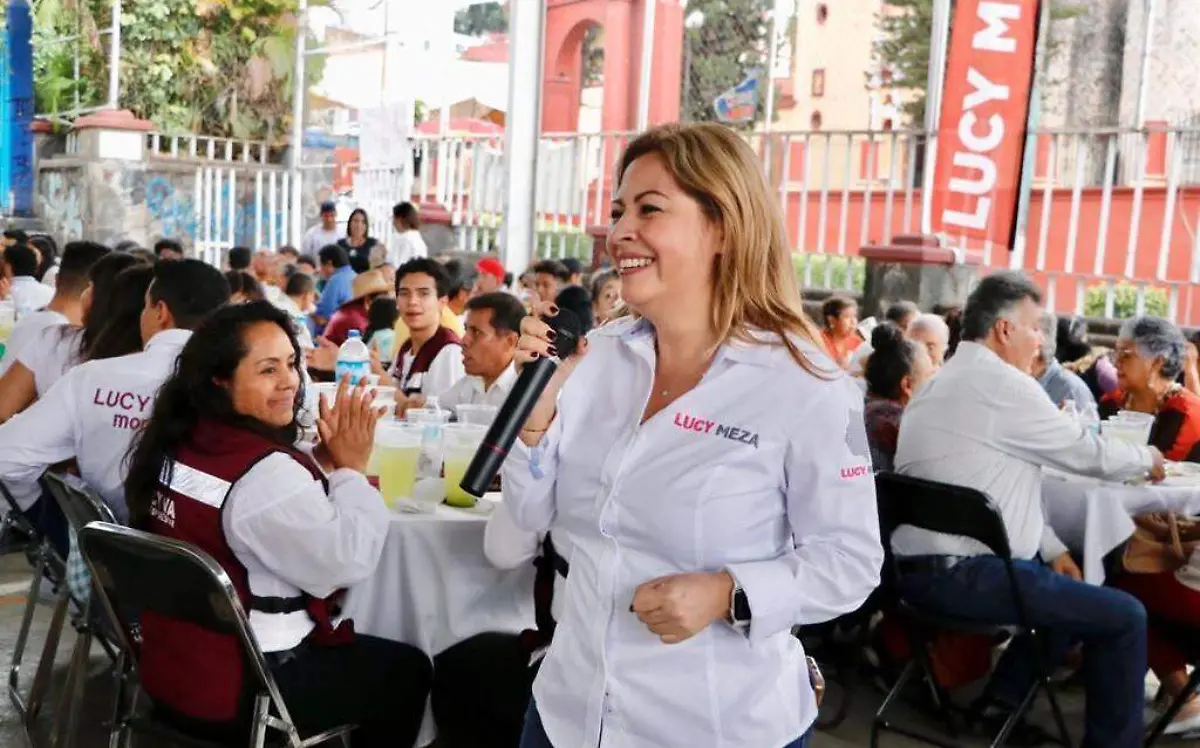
point(708, 464)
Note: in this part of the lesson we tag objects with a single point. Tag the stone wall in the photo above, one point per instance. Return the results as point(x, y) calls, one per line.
point(114, 200)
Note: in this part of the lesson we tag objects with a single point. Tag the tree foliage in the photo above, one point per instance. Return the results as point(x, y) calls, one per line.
point(722, 51)
point(481, 19)
point(217, 67)
point(904, 45)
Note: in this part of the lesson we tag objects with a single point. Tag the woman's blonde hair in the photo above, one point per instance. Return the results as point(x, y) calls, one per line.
point(754, 281)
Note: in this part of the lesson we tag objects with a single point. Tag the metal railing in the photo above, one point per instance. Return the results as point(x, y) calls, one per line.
point(1113, 214)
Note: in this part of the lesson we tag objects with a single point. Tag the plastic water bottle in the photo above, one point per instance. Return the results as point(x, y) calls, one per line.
point(1089, 418)
point(354, 359)
point(1070, 409)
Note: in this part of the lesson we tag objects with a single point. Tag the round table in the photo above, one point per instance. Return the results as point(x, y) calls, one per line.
point(1095, 517)
point(433, 586)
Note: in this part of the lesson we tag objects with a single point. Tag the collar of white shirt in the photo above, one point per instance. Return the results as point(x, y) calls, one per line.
point(173, 338)
point(760, 347)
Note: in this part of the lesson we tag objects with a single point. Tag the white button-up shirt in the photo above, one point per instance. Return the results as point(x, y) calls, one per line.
point(51, 354)
point(29, 294)
point(445, 370)
point(984, 424)
point(92, 415)
point(763, 470)
point(27, 330)
point(471, 391)
point(292, 536)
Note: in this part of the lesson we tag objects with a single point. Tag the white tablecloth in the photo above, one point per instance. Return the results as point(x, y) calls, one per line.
point(434, 587)
point(1094, 517)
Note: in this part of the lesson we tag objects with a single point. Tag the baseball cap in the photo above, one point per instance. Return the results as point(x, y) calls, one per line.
point(328, 206)
point(491, 266)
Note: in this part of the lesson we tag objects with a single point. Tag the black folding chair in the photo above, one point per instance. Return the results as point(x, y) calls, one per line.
point(137, 571)
point(50, 567)
point(81, 506)
point(953, 510)
point(1188, 639)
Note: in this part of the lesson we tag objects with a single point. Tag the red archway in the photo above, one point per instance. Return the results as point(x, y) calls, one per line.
point(567, 21)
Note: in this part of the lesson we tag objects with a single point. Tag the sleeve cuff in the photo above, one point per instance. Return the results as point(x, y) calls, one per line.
point(766, 584)
point(1052, 547)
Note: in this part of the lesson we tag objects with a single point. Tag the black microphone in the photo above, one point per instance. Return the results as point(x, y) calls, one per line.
point(525, 393)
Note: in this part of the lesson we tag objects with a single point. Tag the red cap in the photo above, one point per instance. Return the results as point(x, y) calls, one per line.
point(491, 266)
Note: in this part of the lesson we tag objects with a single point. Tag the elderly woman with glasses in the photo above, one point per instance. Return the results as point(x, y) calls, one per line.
point(1150, 354)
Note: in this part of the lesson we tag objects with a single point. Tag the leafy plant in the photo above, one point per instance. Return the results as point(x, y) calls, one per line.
point(722, 50)
point(836, 266)
point(1124, 301)
point(220, 67)
point(480, 19)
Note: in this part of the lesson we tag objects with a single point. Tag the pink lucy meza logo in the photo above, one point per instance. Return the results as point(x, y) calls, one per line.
point(707, 426)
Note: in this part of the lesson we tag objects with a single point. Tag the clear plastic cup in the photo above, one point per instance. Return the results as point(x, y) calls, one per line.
point(431, 421)
point(385, 397)
point(394, 460)
point(461, 440)
point(477, 415)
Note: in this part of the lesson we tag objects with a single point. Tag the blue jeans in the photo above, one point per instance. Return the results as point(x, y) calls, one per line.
point(1111, 625)
point(534, 735)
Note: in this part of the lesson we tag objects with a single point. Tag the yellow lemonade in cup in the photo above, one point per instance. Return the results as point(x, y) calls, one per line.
point(8, 320)
point(394, 460)
point(461, 441)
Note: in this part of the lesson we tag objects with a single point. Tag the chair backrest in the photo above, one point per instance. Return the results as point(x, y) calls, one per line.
point(79, 503)
point(939, 507)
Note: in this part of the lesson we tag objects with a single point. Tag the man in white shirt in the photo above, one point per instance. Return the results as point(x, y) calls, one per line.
point(493, 328)
point(984, 423)
point(409, 245)
point(66, 305)
point(324, 233)
point(92, 414)
point(430, 362)
point(27, 292)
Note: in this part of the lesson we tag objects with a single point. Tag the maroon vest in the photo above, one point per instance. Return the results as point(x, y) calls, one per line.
point(424, 358)
point(193, 671)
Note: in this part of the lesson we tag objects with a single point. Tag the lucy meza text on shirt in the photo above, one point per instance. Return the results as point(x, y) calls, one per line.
point(706, 426)
point(133, 408)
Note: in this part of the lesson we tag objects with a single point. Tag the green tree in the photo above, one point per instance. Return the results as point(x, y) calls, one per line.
point(480, 19)
point(904, 45)
point(720, 52)
point(217, 67)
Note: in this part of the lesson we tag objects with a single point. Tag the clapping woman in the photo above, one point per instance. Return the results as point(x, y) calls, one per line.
point(217, 466)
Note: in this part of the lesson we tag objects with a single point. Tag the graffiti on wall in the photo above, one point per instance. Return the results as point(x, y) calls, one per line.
point(60, 204)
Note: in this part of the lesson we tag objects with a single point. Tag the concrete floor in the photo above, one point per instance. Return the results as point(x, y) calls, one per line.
point(14, 582)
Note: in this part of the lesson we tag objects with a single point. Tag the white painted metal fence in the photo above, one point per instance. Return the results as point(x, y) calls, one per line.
point(1112, 228)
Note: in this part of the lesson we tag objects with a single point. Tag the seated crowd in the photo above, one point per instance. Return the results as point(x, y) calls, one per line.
point(178, 391)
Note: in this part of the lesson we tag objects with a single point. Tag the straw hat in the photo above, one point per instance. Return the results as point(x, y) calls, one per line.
point(367, 284)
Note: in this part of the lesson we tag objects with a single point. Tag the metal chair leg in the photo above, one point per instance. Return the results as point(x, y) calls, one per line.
point(45, 667)
point(1173, 710)
point(62, 734)
point(14, 670)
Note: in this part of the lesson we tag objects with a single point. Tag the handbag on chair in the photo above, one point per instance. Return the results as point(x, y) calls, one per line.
point(1162, 542)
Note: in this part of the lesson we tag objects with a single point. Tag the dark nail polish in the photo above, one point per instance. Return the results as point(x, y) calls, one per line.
point(551, 335)
point(535, 354)
point(553, 310)
point(631, 608)
point(552, 350)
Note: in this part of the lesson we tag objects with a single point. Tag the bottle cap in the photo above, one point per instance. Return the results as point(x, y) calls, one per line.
point(354, 334)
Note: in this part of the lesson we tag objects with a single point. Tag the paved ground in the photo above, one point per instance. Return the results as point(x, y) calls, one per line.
point(14, 581)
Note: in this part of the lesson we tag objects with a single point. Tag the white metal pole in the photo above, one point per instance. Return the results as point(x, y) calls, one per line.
point(772, 59)
point(1151, 8)
point(526, 28)
point(114, 57)
point(643, 110)
point(938, 52)
point(1016, 260)
point(299, 91)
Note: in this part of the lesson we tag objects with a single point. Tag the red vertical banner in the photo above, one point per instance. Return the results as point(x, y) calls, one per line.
point(985, 108)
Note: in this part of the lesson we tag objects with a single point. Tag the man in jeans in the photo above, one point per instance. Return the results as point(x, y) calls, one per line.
point(984, 423)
